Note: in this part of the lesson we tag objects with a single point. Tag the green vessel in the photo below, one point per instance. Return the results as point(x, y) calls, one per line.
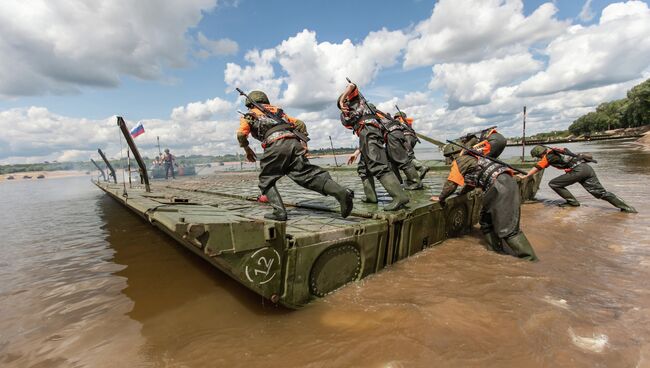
point(316, 251)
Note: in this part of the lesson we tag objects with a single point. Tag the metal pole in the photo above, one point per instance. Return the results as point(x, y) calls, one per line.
point(523, 139)
point(159, 151)
point(128, 165)
point(136, 153)
point(333, 153)
point(108, 164)
point(99, 168)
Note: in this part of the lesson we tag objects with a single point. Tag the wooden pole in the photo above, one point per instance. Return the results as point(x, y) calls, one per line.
point(333, 153)
point(128, 165)
point(523, 139)
point(108, 164)
point(136, 153)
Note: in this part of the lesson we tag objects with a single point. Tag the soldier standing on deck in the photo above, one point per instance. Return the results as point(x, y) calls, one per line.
point(356, 115)
point(499, 218)
point(577, 170)
point(398, 150)
point(284, 155)
point(168, 163)
point(411, 140)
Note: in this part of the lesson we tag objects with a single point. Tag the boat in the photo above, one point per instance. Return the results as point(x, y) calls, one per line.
point(315, 252)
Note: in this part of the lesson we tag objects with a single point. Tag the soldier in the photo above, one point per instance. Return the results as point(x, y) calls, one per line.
point(411, 140)
point(397, 150)
point(356, 115)
point(169, 161)
point(499, 218)
point(489, 141)
point(576, 171)
point(284, 155)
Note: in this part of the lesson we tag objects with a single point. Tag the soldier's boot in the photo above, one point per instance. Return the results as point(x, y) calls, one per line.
point(493, 242)
point(619, 203)
point(279, 212)
point(422, 169)
point(413, 176)
point(369, 190)
point(520, 245)
point(343, 195)
point(571, 201)
point(393, 187)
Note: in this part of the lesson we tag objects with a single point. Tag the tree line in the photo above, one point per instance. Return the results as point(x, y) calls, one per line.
point(629, 112)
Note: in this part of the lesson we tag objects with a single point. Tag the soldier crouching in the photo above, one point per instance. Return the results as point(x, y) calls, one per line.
point(499, 218)
point(284, 155)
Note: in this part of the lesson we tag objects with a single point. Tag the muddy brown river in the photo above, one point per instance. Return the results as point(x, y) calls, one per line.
point(85, 283)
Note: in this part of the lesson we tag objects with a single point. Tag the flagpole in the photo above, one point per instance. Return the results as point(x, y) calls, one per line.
point(523, 139)
point(128, 165)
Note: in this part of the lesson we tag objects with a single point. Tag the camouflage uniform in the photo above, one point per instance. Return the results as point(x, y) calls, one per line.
point(411, 141)
point(576, 171)
point(285, 155)
point(499, 218)
point(374, 160)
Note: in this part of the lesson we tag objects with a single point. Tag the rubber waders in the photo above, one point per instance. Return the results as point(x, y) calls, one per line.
point(619, 203)
point(521, 247)
point(343, 195)
point(494, 242)
point(279, 212)
point(571, 201)
point(369, 190)
point(413, 176)
point(393, 187)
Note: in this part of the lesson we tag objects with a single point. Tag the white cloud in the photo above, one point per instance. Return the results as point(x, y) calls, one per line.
point(615, 50)
point(35, 134)
point(473, 84)
point(202, 111)
point(473, 30)
point(313, 72)
point(58, 46)
point(220, 47)
point(259, 75)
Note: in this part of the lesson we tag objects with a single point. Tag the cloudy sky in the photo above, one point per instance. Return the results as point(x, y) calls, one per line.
point(68, 67)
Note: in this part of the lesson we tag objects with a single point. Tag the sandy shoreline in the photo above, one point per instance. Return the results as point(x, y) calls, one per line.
point(644, 141)
point(48, 175)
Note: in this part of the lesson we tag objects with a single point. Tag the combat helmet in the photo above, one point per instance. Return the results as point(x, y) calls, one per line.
point(258, 97)
point(537, 151)
point(450, 149)
point(399, 115)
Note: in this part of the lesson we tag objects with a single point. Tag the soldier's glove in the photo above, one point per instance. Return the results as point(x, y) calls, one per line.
point(250, 154)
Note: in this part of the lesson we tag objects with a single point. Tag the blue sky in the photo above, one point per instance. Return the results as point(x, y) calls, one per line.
point(69, 64)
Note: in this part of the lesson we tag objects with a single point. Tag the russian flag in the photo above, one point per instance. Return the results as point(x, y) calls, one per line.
point(137, 130)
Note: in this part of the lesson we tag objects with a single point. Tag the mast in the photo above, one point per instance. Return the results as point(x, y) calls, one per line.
point(108, 164)
point(136, 153)
point(523, 139)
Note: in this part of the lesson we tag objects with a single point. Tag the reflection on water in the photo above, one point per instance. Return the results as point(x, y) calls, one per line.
point(85, 283)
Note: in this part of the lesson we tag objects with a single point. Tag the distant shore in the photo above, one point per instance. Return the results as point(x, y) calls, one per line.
point(47, 175)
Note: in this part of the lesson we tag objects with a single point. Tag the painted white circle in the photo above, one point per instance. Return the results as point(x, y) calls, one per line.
point(260, 265)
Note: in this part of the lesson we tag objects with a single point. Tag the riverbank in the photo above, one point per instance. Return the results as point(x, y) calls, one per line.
point(614, 134)
point(34, 175)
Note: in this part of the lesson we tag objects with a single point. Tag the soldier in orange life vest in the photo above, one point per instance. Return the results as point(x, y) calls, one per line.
point(284, 155)
point(356, 115)
point(499, 218)
point(411, 140)
point(489, 141)
point(576, 171)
